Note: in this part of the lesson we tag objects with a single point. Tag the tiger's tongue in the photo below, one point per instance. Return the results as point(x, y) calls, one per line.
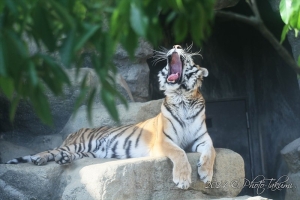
point(175, 67)
point(173, 77)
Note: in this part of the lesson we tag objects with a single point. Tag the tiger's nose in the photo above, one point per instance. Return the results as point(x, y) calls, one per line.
point(177, 47)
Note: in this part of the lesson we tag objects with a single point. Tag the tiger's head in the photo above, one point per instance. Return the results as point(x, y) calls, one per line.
point(180, 71)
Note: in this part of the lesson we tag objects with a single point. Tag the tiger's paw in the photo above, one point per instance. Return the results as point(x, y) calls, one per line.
point(37, 160)
point(63, 158)
point(205, 168)
point(182, 175)
point(205, 175)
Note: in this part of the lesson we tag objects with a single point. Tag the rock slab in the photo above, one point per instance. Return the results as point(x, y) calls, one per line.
point(138, 178)
point(291, 154)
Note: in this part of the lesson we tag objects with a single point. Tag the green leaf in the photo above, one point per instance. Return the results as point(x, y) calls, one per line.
point(2, 56)
point(12, 6)
point(90, 30)
point(67, 48)
point(2, 4)
point(13, 108)
point(90, 103)
point(41, 105)
point(284, 32)
point(79, 9)
point(290, 12)
point(180, 5)
point(80, 99)
point(180, 28)
point(138, 21)
point(130, 42)
point(296, 32)
point(109, 103)
point(298, 61)
point(171, 16)
point(65, 16)
point(32, 74)
point(7, 86)
point(46, 33)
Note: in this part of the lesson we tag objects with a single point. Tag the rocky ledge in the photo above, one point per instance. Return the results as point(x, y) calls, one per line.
point(138, 178)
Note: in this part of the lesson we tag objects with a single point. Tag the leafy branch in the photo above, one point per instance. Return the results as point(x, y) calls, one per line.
point(256, 21)
point(64, 29)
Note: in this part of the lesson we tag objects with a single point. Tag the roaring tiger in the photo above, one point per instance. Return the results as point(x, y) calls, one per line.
point(179, 126)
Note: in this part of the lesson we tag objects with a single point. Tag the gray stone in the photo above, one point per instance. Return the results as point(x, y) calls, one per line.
point(291, 155)
point(9, 151)
point(293, 193)
point(135, 71)
point(138, 178)
point(220, 4)
point(143, 51)
point(244, 198)
point(136, 112)
point(295, 44)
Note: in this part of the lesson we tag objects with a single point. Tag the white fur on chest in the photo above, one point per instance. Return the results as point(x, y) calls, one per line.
point(188, 120)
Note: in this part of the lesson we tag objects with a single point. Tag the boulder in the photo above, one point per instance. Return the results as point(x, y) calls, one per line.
point(9, 151)
point(135, 113)
point(291, 155)
point(135, 71)
point(243, 198)
point(137, 178)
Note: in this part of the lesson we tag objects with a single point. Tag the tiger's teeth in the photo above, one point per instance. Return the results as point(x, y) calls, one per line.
point(170, 81)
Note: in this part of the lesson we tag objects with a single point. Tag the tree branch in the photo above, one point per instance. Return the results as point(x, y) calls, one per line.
point(257, 22)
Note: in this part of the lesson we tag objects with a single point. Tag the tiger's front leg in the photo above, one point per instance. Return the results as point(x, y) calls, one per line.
point(207, 158)
point(181, 167)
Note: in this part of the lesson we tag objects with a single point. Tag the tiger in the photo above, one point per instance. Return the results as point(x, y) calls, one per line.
point(179, 127)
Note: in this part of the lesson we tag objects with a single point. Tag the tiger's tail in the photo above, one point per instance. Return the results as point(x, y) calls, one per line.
point(23, 159)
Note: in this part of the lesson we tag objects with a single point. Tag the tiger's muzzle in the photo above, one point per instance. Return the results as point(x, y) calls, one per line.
point(175, 62)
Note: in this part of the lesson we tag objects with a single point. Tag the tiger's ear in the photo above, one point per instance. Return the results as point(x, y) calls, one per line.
point(204, 71)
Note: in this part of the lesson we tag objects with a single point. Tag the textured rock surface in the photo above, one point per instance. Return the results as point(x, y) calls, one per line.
point(9, 151)
point(136, 71)
point(136, 112)
point(139, 178)
point(244, 198)
point(291, 154)
point(294, 192)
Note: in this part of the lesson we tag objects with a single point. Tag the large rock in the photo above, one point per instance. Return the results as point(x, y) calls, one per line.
point(135, 71)
point(135, 113)
point(291, 154)
point(9, 151)
point(139, 178)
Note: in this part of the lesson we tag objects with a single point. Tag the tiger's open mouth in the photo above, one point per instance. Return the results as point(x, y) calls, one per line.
point(175, 68)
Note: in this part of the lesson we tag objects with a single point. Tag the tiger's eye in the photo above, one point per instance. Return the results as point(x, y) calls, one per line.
point(177, 47)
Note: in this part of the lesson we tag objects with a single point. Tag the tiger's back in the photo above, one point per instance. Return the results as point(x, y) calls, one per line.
point(128, 141)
